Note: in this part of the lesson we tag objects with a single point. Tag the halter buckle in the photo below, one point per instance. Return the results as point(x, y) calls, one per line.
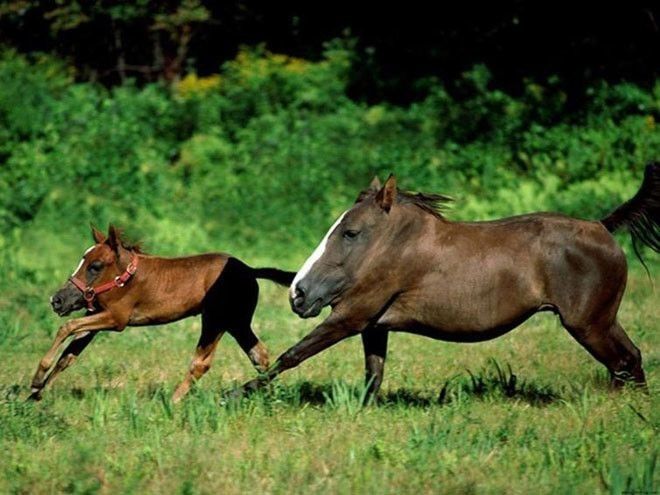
point(89, 294)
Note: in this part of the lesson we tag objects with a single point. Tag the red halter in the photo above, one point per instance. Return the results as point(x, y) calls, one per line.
point(90, 293)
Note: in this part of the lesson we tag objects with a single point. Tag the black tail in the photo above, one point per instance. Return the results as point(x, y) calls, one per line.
point(641, 214)
point(281, 277)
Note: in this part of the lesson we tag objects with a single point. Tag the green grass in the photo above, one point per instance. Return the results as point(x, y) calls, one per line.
point(452, 419)
point(229, 169)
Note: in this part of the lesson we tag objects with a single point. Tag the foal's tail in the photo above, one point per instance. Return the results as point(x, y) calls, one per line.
point(278, 276)
point(641, 214)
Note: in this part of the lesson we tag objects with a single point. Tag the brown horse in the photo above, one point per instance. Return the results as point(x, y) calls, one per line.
point(394, 263)
point(121, 286)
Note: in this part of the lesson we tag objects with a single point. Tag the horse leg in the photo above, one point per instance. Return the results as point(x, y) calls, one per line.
point(374, 342)
point(242, 305)
point(325, 335)
point(72, 351)
point(91, 323)
point(610, 345)
point(201, 362)
point(232, 302)
point(252, 346)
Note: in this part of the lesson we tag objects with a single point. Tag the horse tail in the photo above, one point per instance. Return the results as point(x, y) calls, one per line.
point(641, 213)
point(278, 276)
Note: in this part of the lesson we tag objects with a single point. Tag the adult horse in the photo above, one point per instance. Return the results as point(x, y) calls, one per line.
point(121, 286)
point(394, 263)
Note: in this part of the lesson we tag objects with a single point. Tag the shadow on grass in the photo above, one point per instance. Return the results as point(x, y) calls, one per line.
point(491, 383)
point(494, 382)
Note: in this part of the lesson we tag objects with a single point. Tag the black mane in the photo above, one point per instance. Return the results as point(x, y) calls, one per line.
point(431, 203)
point(435, 204)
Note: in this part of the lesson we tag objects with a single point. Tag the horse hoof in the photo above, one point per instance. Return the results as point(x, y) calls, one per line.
point(243, 391)
point(178, 395)
point(35, 395)
point(235, 394)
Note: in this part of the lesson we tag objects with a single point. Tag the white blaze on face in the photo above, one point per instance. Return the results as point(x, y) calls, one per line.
point(82, 260)
point(318, 252)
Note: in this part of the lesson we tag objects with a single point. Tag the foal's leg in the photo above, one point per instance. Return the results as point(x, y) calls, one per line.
point(91, 323)
point(610, 345)
point(72, 351)
point(252, 346)
point(374, 341)
point(201, 362)
point(241, 303)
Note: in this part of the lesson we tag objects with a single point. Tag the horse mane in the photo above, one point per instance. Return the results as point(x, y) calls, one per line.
point(136, 247)
point(432, 203)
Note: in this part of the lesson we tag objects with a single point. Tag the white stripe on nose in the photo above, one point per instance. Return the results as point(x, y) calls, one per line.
point(82, 260)
point(318, 252)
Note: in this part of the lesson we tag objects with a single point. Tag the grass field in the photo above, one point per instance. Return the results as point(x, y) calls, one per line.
point(258, 160)
point(452, 418)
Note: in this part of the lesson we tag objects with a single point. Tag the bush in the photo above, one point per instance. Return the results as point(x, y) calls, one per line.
point(263, 156)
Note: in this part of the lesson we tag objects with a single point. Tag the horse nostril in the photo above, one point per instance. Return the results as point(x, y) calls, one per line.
point(298, 297)
point(56, 301)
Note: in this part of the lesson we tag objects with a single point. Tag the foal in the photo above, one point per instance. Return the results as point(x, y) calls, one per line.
point(120, 286)
point(394, 263)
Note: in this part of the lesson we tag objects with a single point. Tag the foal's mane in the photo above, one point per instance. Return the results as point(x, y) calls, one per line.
point(136, 247)
point(432, 203)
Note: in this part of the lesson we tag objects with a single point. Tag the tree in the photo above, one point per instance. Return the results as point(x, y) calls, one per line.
point(94, 33)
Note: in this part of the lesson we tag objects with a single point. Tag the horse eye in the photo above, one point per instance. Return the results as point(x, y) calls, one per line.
point(350, 234)
point(95, 266)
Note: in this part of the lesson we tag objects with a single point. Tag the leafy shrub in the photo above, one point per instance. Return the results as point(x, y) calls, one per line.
point(258, 82)
point(263, 156)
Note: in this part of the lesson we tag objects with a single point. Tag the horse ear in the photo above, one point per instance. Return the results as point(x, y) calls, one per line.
point(97, 235)
point(387, 195)
point(113, 237)
point(375, 184)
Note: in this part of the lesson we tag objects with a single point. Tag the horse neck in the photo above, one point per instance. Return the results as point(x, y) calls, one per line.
point(157, 273)
point(419, 234)
point(157, 281)
point(415, 223)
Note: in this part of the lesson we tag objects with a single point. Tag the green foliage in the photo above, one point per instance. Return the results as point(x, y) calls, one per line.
point(28, 97)
point(265, 154)
point(258, 82)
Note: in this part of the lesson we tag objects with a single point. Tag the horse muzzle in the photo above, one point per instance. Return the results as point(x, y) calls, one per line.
point(305, 306)
point(66, 300)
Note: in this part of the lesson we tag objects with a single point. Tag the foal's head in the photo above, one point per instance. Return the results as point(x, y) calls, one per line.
point(359, 246)
point(100, 263)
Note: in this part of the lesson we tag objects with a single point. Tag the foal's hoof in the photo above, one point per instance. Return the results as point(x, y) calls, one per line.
point(35, 395)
